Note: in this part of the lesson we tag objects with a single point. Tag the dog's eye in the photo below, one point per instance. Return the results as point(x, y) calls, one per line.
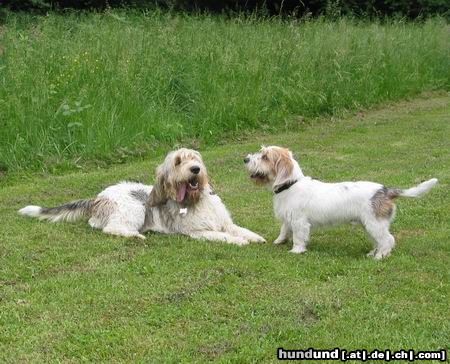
point(264, 157)
point(177, 161)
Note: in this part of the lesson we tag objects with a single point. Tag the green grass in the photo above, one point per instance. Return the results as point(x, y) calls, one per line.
point(110, 86)
point(69, 293)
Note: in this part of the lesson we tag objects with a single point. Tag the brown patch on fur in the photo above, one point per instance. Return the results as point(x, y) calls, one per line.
point(102, 208)
point(382, 203)
point(158, 194)
point(193, 196)
point(281, 163)
point(260, 179)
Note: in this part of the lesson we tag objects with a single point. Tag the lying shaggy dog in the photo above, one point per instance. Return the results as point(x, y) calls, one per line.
point(181, 201)
point(301, 202)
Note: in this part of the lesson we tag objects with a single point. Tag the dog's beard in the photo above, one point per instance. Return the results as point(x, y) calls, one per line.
point(259, 178)
point(188, 193)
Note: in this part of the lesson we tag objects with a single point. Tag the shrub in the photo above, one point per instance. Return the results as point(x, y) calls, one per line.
point(411, 9)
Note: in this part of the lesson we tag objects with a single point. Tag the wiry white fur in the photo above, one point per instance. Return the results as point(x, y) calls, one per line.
point(311, 203)
point(123, 209)
point(114, 210)
point(421, 189)
point(208, 219)
point(32, 211)
point(64, 215)
point(123, 215)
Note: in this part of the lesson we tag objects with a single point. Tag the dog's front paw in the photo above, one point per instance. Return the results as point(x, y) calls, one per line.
point(239, 241)
point(257, 239)
point(298, 250)
point(279, 241)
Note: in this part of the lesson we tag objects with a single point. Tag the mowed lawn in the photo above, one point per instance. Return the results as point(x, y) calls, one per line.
point(69, 293)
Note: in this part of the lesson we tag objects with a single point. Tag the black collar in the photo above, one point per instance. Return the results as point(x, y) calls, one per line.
point(285, 186)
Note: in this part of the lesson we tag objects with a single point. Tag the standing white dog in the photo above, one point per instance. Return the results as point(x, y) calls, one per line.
point(301, 202)
point(181, 201)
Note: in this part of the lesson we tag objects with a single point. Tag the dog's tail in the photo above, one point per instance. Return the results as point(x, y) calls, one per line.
point(71, 211)
point(418, 190)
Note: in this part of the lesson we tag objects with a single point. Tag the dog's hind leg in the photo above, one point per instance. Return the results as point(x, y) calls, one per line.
point(385, 242)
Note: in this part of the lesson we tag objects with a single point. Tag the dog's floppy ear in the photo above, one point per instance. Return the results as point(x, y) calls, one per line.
point(158, 196)
point(283, 167)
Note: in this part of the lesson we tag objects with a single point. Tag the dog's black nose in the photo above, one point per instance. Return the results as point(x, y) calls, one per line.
point(246, 159)
point(195, 169)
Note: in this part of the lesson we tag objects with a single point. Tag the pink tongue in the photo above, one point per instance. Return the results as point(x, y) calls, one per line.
point(181, 192)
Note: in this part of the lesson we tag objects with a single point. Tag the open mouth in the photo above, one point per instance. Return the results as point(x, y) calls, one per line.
point(193, 184)
point(185, 188)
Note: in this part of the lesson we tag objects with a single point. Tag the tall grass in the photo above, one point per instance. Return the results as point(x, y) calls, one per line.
point(104, 86)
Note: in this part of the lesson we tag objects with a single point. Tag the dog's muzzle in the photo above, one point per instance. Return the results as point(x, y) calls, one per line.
point(193, 183)
point(195, 169)
point(187, 189)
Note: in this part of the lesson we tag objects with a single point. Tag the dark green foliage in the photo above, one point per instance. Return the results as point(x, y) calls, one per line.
point(406, 8)
point(112, 85)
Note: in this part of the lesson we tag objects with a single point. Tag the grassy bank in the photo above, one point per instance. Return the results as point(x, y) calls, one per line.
point(71, 294)
point(109, 86)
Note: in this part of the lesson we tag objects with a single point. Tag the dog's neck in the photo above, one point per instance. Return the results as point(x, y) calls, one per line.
point(294, 177)
point(285, 186)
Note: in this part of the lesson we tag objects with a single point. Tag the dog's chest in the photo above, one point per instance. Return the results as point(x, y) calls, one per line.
point(284, 204)
point(208, 214)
